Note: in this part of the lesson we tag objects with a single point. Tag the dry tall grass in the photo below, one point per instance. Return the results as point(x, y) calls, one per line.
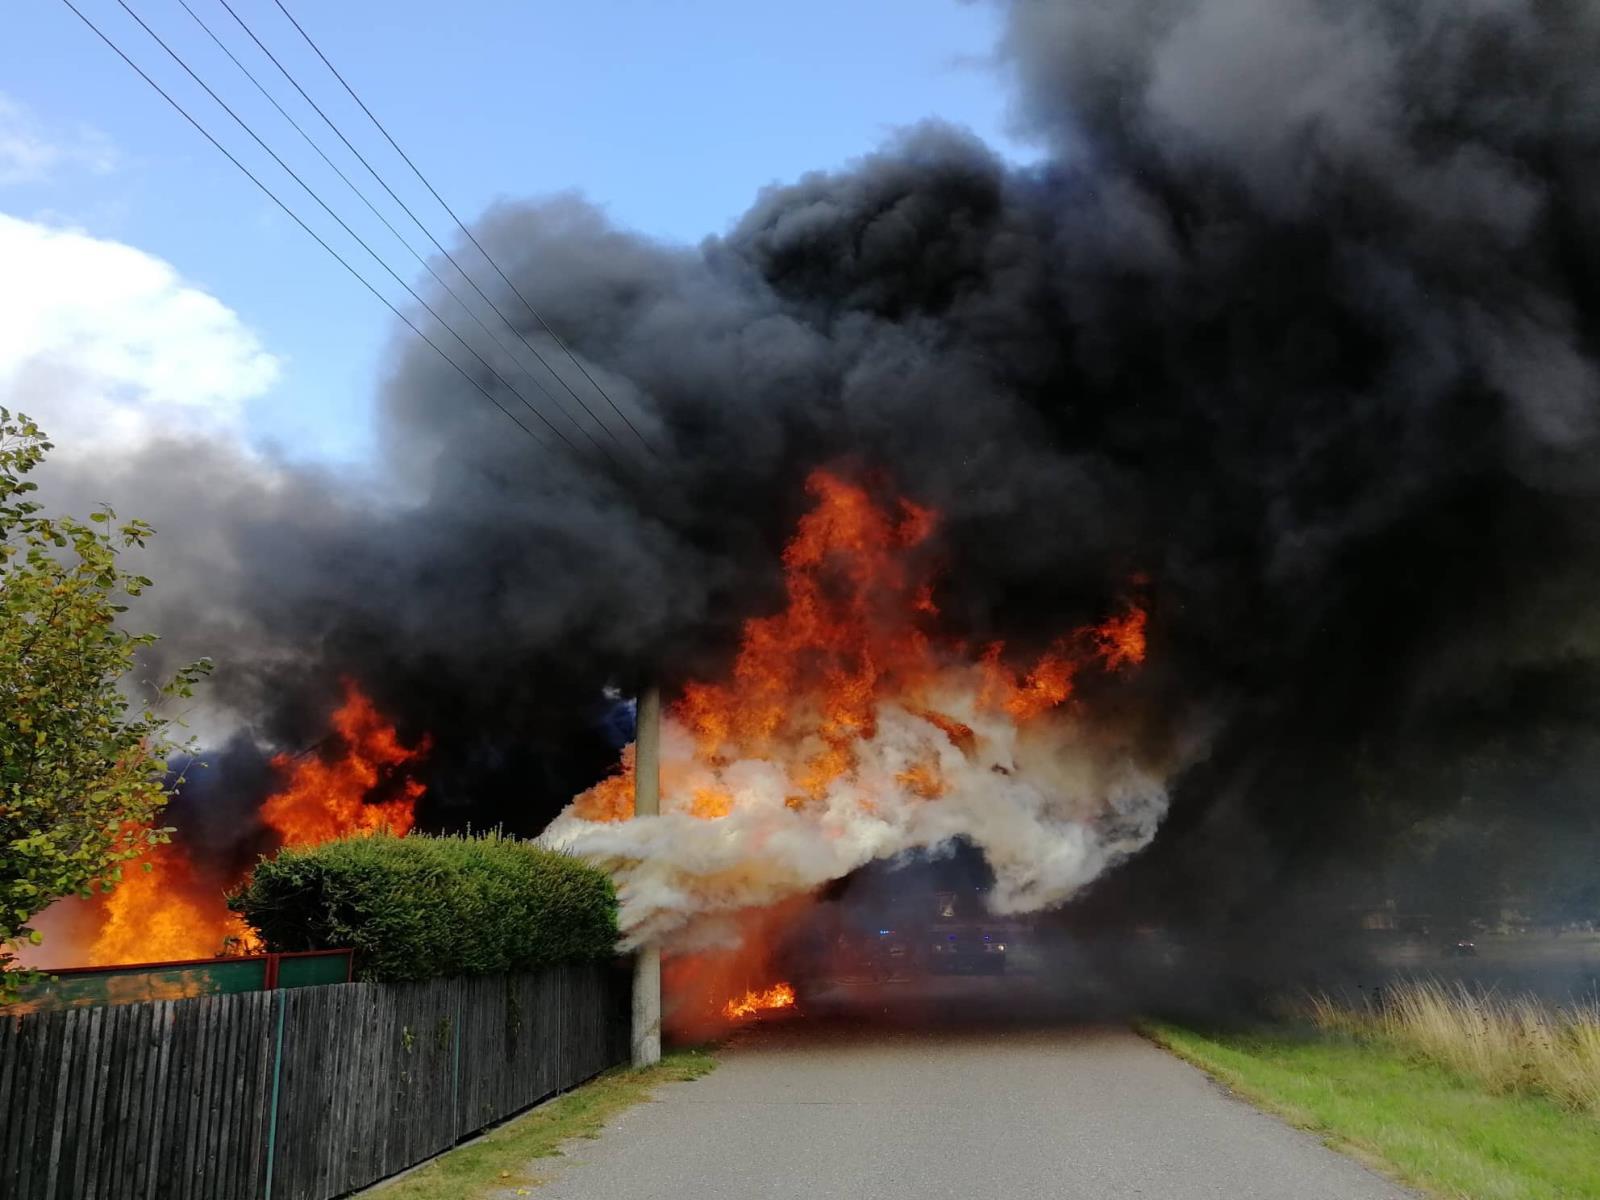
point(1510, 1044)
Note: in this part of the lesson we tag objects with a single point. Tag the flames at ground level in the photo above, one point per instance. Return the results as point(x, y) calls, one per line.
point(779, 995)
point(169, 905)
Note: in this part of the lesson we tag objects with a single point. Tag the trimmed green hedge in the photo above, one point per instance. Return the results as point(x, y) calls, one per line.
point(423, 907)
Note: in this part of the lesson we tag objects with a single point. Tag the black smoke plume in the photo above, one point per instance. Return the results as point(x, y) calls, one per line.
point(1295, 317)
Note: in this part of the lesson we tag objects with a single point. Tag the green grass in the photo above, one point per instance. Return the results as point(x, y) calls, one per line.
point(1435, 1130)
point(501, 1162)
point(1506, 1043)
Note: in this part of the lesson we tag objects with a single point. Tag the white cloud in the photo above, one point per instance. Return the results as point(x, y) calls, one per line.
point(29, 153)
point(107, 347)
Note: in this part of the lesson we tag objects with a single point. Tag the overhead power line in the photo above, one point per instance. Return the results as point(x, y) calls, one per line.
point(295, 217)
point(415, 220)
point(362, 196)
point(360, 241)
point(487, 257)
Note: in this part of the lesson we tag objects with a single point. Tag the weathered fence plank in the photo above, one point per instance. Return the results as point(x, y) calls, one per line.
point(161, 1067)
point(174, 1108)
point(94, 1031)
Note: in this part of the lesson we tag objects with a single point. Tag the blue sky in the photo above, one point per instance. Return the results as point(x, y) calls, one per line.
point(670, 115)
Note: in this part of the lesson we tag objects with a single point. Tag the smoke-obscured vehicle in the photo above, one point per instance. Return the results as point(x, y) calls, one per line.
point(881, 955)
point(965, 949)
point(898, 938)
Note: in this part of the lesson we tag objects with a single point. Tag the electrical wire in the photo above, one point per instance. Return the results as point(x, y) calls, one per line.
point(516, 291)
point(273, 196)
point(416, 220)
point(343, 224)
point(387, 224)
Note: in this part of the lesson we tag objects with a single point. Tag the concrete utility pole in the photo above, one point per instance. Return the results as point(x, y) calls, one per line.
point(647, 803)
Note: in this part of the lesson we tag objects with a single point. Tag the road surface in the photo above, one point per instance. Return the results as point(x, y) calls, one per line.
point(799, 1111)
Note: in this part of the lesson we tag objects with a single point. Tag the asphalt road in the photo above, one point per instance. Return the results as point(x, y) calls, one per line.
point(809, 1112)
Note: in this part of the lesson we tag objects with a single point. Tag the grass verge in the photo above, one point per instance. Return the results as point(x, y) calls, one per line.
point(1428, 1127)
point(500, 1162)
point(1506, 1043)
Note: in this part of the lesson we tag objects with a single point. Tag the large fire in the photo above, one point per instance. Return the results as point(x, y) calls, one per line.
point(165, 908)
point(810, 682)
point(849, 729)
point(161, 911)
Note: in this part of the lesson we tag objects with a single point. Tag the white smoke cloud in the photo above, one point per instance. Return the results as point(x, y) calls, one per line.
point(1051, 804)
point(108, 348)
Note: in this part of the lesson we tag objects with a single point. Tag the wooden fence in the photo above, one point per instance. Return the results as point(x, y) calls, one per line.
point(291, 1095)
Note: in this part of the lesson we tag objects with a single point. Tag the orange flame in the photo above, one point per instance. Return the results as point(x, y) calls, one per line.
point(706, 990)
point(324, 800)
point(808, 683)
point(163, 909)
point(779, 995)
